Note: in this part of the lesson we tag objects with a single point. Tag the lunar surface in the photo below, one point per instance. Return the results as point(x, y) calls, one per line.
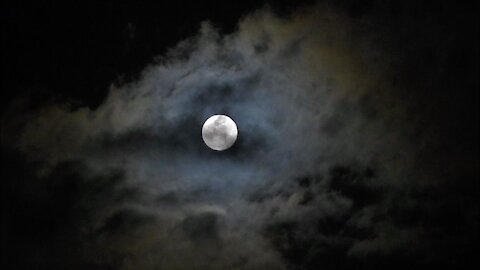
point(219, 132)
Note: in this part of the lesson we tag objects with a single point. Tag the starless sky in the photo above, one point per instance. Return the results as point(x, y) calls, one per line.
point(357, 147)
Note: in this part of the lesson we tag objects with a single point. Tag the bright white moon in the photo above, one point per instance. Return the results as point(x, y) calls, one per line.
point(219, 132)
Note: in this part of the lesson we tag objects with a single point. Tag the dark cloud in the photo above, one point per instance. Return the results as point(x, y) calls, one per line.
point(349, 155)
point(202, 227)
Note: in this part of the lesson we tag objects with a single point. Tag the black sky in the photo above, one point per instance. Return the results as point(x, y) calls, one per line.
point(358, 135)
point(90, 45)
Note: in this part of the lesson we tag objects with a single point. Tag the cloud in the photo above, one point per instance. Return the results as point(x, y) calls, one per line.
point(321, 175)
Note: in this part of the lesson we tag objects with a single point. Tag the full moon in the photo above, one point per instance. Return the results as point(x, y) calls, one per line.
point(219, 132)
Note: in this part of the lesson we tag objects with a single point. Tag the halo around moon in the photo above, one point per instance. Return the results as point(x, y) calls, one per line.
point(219, 132)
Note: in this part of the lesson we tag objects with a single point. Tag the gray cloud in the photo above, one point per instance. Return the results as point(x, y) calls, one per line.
point(322, 173)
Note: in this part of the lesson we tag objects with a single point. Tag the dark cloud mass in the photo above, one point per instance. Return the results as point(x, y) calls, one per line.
point(357, 149)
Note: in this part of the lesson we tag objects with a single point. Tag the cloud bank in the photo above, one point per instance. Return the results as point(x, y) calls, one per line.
point(326, 173)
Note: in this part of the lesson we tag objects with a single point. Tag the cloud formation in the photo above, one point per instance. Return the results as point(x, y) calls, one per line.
point(324, 174)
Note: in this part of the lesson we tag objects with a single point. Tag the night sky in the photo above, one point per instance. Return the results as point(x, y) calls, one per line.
point(357, 149)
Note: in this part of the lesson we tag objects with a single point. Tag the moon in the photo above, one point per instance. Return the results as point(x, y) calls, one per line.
point(219, 132)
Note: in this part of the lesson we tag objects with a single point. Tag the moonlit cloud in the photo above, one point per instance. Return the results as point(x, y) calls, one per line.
point(322, 155)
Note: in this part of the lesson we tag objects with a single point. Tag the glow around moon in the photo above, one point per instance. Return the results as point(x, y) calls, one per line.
point(219, 132)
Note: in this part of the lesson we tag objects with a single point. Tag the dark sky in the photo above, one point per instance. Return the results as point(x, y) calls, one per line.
point(357, 149)
point(93, 44)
